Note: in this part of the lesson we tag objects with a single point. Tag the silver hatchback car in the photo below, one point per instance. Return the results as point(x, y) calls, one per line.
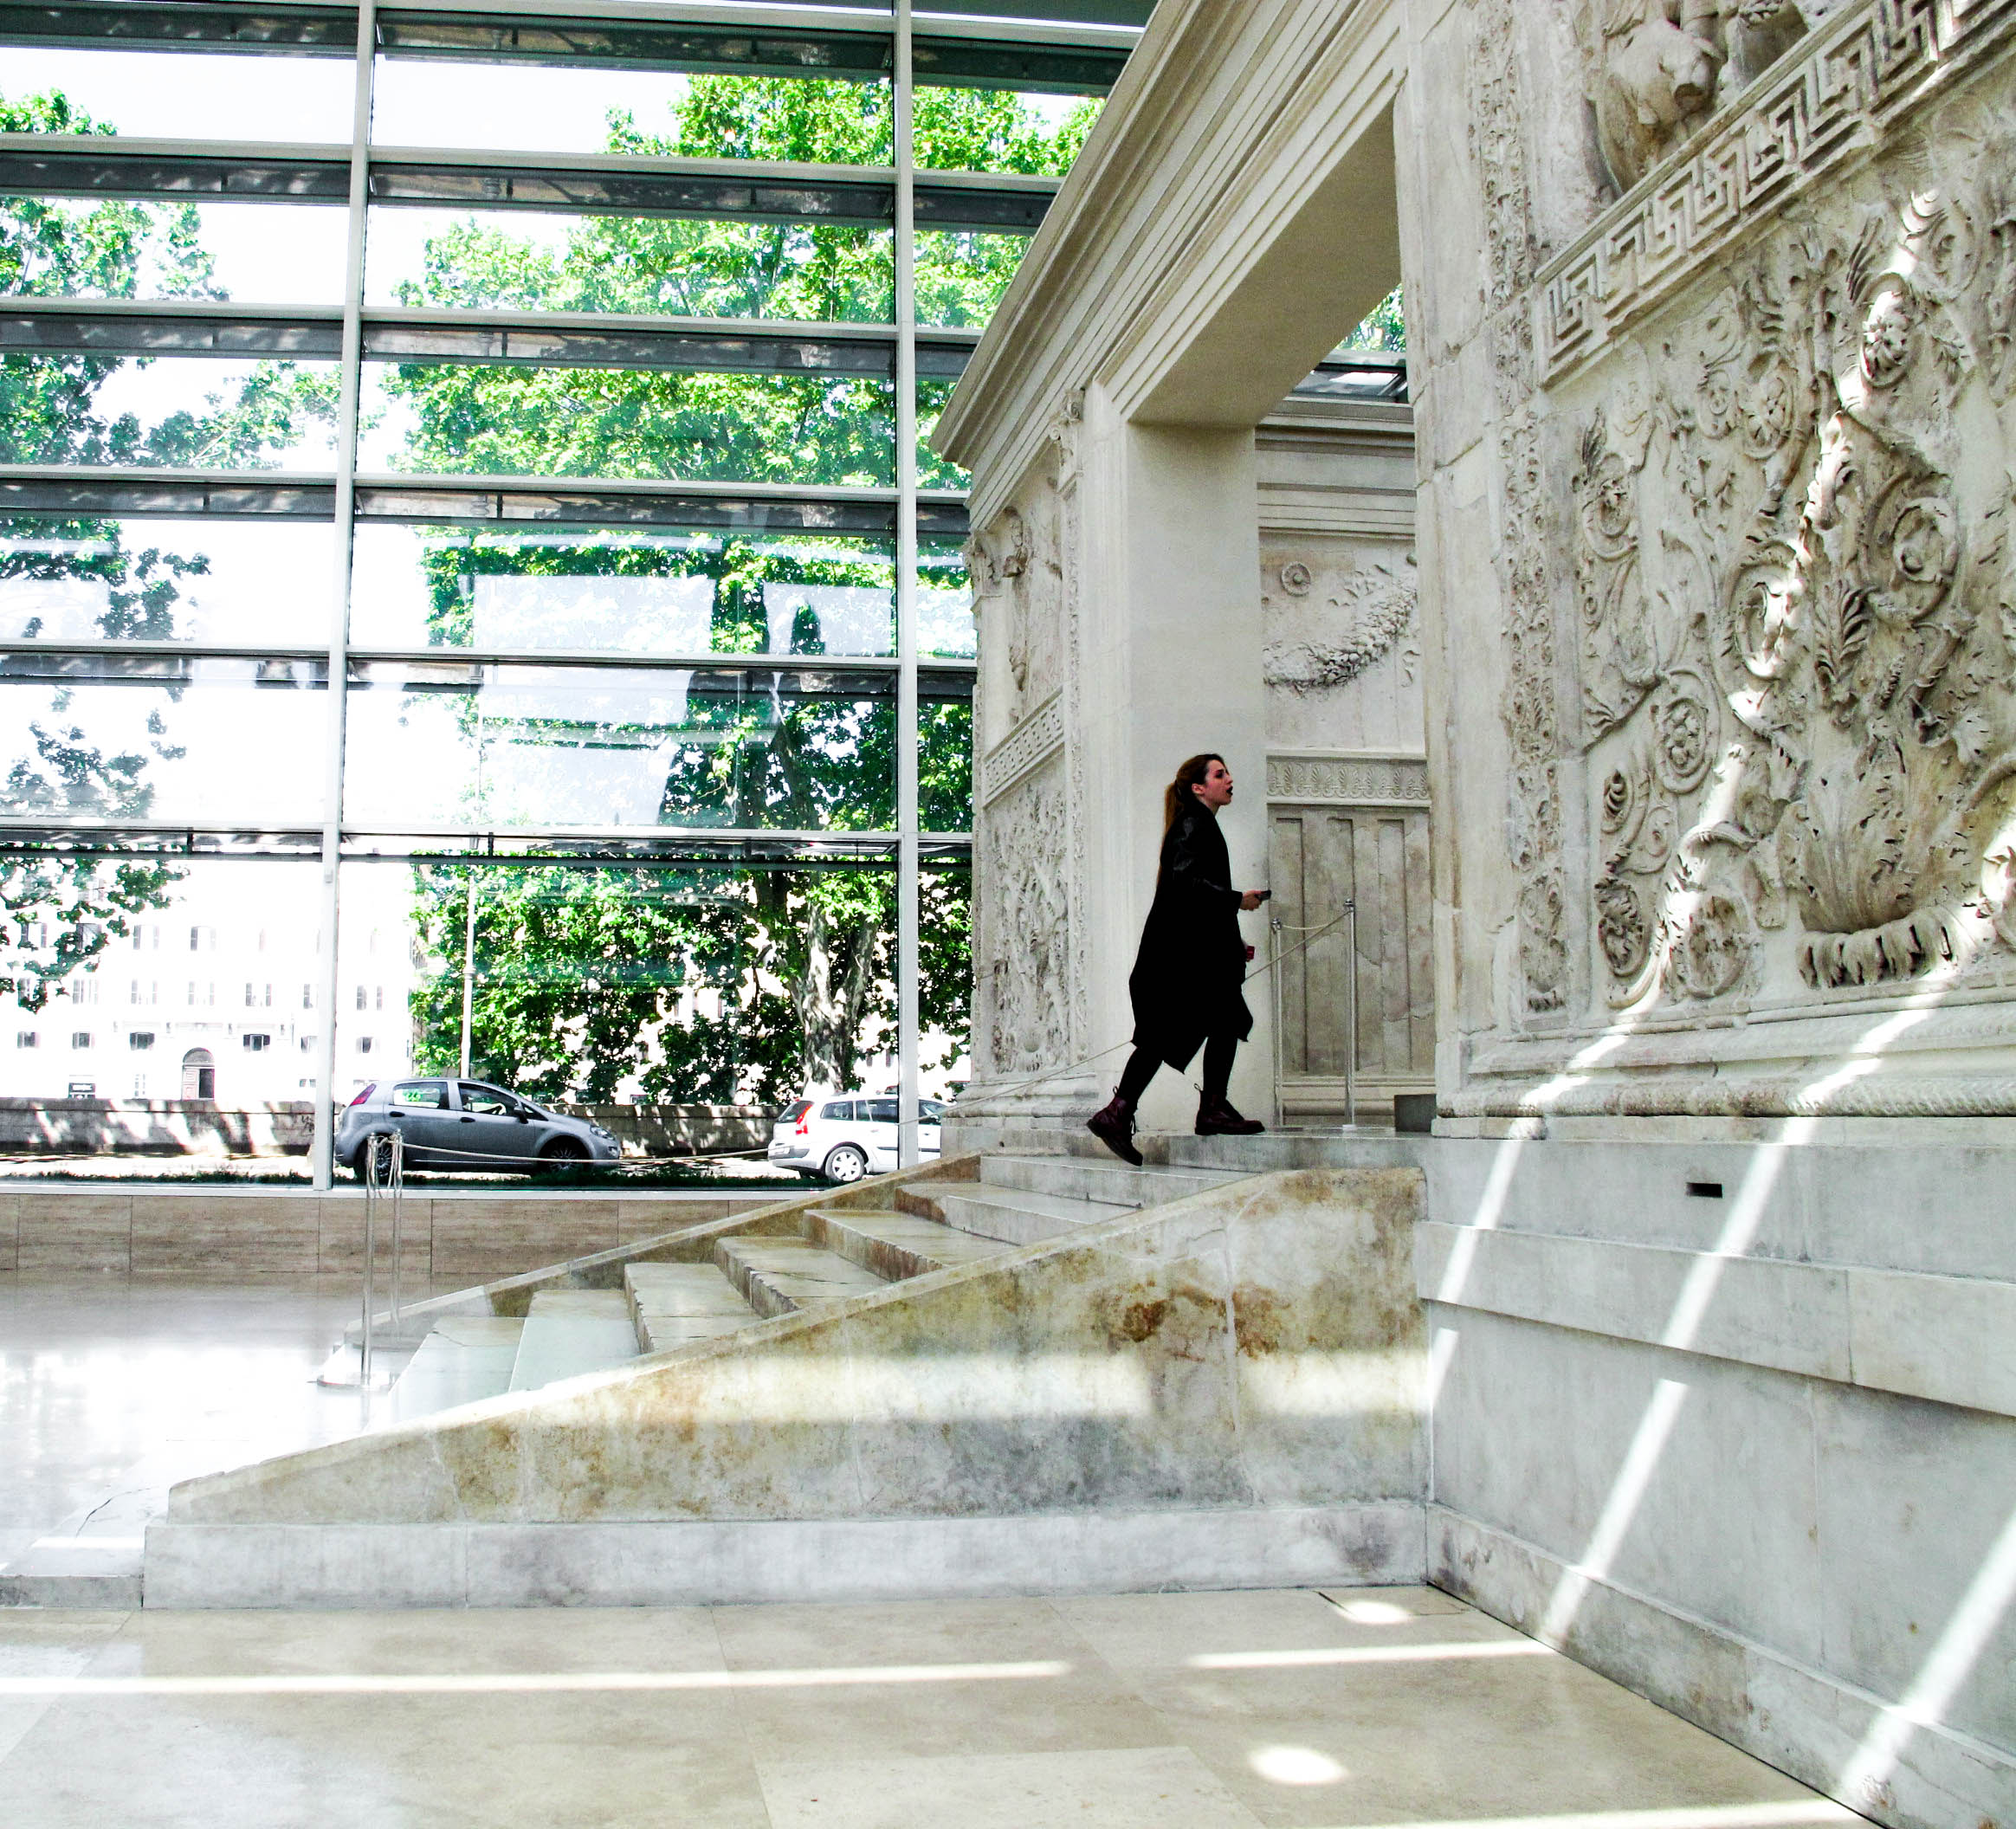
point(467, 1124)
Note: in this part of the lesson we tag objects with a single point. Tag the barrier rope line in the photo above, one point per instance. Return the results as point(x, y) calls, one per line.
point(1260, 970)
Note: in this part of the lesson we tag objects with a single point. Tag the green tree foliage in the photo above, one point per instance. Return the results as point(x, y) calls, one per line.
point(588, 980)
point(1384, 326)
point(57, 248)
point(63, 913)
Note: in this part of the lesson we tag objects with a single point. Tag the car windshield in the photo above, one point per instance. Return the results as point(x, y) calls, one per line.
point(793, 1112)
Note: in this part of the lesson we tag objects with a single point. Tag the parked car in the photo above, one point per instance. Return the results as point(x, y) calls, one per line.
point(844, 1139)
point(467, 1124)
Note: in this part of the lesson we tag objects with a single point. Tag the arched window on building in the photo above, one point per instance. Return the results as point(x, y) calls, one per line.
point(199, 1075)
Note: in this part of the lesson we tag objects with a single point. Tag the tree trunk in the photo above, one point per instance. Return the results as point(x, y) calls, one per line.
point(828, 996)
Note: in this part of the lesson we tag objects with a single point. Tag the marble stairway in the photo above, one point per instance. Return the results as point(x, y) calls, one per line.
point(1003, 1373)
point(837, 1253)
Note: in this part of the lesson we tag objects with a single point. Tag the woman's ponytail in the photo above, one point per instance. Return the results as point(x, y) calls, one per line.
point(1177, 795)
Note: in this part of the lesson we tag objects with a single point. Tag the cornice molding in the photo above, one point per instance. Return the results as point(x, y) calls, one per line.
point(1225, 119)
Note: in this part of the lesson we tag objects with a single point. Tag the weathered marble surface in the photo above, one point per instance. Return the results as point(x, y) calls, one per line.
point(1715, 572)
point(1256, 1345)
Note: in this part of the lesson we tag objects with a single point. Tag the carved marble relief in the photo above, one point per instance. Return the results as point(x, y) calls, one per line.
point(1029, 829)
point(1797, 609)
point(1324, 631)
point(1029, 977)
point(1658, 68)
point(1534, 839)
point(1343, 644)
point(1017, 568)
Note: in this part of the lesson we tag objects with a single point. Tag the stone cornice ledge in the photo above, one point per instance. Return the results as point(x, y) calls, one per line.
point(1154, 185)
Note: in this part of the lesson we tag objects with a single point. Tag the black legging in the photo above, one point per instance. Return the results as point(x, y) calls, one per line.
point(1218, 1070)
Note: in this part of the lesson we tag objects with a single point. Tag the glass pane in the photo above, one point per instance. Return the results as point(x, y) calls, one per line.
point(711, 1003)
point(961, 277)
point(945, 602)
point(179, 94)
point(67, 248)
point(376, 982)
point(587, 590)
point(186, 411)
point(934, 472)
point(945, 767)
point(518, 108)
point(212, 742)
point(167, 1008)
point(176, 579)
point(456, 746)
point(993, 130)
point(498, 421)
point(640, 265)
point(1384, 326)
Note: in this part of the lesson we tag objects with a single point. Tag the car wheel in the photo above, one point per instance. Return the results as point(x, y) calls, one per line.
point(845, 1164)
point(380, 1141)
point(563, 1154)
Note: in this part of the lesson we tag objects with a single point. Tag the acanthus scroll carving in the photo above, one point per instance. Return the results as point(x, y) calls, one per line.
point(1799, 699)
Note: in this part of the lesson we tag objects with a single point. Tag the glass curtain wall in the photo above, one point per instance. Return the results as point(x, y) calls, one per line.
point(472, 603)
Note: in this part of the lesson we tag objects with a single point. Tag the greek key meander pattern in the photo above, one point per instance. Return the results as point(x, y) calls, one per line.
point(1347, 779)
point(1027, 746)
point(1863, 69)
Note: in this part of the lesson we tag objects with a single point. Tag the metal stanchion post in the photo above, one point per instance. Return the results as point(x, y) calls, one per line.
point(396, 1182)
point(371, 1188)
point(1280, 1049)
point(1351, 1033)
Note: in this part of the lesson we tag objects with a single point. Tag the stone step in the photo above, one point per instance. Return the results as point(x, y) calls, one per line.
point(1010, 1215)
point(673, 1303)
point(897, 1246)
point(571, 1332)
point(80, 1571)
point(1112, 1181)
point(465, 1358)
point(1285, 1149)
point(781, 1275)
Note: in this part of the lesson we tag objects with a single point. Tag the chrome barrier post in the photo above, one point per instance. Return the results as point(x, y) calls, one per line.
point(1351, 1030)
point(1280, 1050)
point(370, 1199)
point(396, 1186)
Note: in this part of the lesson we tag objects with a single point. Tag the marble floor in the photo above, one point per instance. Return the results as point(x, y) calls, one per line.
point(1160, 1711)
point(1179, 1712)
point(111, 1391)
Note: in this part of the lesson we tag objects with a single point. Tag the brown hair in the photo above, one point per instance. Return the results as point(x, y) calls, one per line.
point(1177, 795)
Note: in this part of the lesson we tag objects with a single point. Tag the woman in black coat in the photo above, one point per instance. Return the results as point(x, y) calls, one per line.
point(1187, 978)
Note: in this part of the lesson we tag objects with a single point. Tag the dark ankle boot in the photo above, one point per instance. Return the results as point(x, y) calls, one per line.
point(1114, 1127)
point(1216, 1118)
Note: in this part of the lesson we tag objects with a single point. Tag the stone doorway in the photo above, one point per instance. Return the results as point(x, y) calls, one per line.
point(199, 1075)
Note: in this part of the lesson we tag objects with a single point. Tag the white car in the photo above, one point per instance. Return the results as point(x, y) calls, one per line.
point(844, 1139)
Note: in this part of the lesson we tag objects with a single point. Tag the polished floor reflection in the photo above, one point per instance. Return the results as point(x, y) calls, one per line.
point(1174, 1710)
point(111, 1391)
point(1163, 1711)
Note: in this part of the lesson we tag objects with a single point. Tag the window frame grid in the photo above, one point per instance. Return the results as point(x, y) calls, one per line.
point(365, 176)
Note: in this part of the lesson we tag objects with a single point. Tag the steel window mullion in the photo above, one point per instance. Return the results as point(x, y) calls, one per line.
point(349, 386)
point(907, 682)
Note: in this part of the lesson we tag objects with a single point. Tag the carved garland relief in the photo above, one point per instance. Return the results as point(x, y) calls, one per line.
point(1327, 629)
point(1797, 611)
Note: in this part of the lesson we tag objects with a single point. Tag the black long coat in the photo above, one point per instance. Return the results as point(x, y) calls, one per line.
point(1186, 976)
